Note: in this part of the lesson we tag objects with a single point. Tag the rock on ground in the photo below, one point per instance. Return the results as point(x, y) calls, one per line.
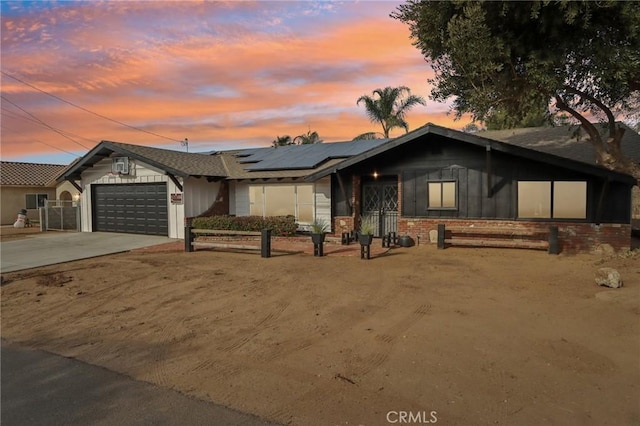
point(608, 277)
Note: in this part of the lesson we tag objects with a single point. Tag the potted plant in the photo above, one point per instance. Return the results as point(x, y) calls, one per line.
point(366, 230)
point(318, 229)
point(405, 241)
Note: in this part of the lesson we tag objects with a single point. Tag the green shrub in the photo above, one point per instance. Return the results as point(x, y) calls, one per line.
point(280, 225)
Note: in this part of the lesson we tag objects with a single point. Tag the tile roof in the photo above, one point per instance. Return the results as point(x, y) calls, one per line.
point(28, 174)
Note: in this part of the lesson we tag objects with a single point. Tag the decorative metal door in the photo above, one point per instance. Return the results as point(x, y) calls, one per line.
point(380, 203)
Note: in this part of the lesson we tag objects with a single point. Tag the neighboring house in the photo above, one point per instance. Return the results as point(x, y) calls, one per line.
point(25, 186)
point(408, 184)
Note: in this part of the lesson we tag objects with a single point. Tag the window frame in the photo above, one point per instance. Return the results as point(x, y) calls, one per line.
point(37, 200)
point(441, 182)
point(552, 201)
point(296, 202)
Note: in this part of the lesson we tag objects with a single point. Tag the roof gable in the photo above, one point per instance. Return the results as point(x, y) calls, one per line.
point(28, 174)
point(479, 139)
point(177, 163)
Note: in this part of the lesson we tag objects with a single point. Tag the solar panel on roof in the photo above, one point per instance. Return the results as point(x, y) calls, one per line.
point(293, 157)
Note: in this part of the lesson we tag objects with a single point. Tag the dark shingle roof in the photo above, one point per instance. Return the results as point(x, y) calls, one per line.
point(564, 141)
point(28, 174)
point(189, 164)
point(550, 154)
point(174, 162)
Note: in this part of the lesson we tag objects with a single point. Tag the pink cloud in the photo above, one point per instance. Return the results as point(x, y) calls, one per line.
point(221, 74)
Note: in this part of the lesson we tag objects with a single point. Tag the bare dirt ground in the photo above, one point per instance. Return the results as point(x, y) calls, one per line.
point(9, 233)
point(476, 336)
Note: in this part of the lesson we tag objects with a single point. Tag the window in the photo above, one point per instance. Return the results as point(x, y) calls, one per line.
point(534, 199)
point(34, 201)
point(558, 200)
point(282, 200)
point(442, 195)
point(570, 200)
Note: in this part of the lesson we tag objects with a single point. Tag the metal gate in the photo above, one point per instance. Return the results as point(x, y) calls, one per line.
point(61, 215)
point(380, 204)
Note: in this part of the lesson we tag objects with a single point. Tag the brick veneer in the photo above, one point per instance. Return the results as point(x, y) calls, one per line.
point(573, 237)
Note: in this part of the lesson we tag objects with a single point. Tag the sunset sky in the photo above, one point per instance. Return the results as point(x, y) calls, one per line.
point(224, 75)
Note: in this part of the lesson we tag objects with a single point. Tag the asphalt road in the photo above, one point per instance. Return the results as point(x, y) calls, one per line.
point(40, 388)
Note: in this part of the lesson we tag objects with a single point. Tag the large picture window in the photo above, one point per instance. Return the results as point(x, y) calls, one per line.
point(557, 200)
point(442, 195)
point(34, 201)
point(282, 200)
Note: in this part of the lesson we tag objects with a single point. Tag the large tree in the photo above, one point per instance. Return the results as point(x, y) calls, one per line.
point(580, 57)
point(389, 106)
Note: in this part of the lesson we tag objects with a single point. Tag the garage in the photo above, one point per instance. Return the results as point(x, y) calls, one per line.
point(135, 208)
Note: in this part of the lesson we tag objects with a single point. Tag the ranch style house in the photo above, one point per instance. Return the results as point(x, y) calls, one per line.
point(516, 179)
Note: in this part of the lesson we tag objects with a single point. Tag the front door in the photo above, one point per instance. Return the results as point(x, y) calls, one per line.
point(380, 203)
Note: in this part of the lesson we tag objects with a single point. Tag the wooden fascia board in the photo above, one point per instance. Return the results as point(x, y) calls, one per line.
point(176, 182)
point(75, 185)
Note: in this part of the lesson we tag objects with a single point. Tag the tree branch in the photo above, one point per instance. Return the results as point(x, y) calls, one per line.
point(588, 126)
point(602, 106)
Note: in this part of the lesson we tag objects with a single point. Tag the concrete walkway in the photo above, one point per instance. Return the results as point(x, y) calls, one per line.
point(40, 388)
point(52, 248)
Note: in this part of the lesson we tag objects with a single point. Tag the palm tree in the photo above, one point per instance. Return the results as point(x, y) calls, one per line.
point(368, 136)
point(282, 141)
point(388, 107)
point(307, 139)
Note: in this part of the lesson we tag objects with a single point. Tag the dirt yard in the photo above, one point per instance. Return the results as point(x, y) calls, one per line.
point(461, 336)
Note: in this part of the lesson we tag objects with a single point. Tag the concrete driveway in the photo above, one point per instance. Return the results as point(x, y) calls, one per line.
point(51, 248)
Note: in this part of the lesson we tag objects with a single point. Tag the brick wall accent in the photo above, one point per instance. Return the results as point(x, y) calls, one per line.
point(342, 224)
point(573, 237)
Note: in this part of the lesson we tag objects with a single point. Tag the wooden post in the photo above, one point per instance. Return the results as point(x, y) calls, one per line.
point(265, 243)
point(554, 244)
point(365, 252)
point(441, 231)
point(188, 239)
point(489, 174)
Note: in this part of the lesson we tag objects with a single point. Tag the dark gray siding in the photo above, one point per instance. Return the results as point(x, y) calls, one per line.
point(434, 158)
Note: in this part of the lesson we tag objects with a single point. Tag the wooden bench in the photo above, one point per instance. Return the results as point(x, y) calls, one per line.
point(190, 235)
point(505, 237)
